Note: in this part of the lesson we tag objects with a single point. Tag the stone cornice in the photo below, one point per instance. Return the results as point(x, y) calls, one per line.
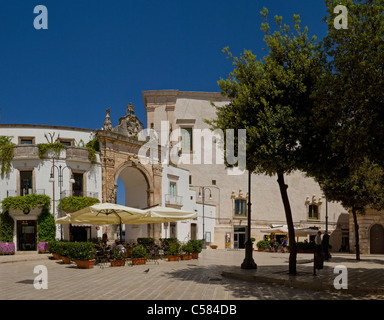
point(41, 126)
point(168, 98)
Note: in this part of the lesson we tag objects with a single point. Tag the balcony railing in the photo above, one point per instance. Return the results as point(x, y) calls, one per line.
point(24, 151)
point(172, 199)
point(67, 193)
point(77, 154)
point(24, 192)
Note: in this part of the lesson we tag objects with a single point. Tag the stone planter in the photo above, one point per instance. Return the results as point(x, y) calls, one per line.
point(305, 250)
point(173, 258)
point(117, 262)
point(66, 260)
point(186, 256)
point(139, 261)
point(213, 246)
point(56, 256)
point(85, 264)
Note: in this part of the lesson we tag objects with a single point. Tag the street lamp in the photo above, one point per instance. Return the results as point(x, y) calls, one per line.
point(60, 170)
point(248, 262)
point(202, 194)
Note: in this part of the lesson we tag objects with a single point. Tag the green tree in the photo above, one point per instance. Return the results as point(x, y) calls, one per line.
point(356, 189)
point(271, 99)
point(351, 94)
point(347, 136)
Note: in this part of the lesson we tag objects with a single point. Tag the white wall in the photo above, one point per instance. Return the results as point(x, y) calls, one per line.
point(42, 168)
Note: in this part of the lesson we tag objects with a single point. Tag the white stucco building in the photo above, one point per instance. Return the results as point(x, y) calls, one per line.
point(31, 173)
point(169, 110)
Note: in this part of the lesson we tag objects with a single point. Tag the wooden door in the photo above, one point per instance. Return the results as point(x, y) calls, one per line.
point(377, 239)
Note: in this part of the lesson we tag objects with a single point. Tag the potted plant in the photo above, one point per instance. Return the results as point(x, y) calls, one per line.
point(253, 240)
point(65, 251)
point(173, 252)
point(139, 255)
point(187, 250)
point(7, 248)
point(117, 258)
point(43, 247)
point(53, 248)
point(305, 247)
point(261, 245)
point(197, 246)
point(83, 253)
point(213, 246)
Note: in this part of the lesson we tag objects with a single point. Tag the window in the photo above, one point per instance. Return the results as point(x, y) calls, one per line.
point(66, 142)
point(172, 188)
point(190, 179)
point(186, 139)
point(77, 187)
point(25, 182)
point(213, 182)
point(26, 140)
point(240, 207)
point(313, 211)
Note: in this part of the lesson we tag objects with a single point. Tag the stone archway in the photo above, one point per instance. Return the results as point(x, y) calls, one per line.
point(119, 149)
point(376, 239)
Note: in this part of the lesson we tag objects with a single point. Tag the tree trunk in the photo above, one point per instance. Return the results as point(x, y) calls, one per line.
point(291, 229)
point(357, 240)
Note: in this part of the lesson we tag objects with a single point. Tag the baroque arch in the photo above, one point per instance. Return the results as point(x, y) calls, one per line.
point(119, 149)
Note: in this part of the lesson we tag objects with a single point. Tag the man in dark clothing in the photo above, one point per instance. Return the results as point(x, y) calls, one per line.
point(325, 245)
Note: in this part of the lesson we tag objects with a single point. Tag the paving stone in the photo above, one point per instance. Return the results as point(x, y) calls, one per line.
point(216, 275)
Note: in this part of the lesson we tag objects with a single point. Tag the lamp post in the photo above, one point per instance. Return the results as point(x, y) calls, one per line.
point(60, 170)
point(202, 194)
point(326, 215)
point(248, 262)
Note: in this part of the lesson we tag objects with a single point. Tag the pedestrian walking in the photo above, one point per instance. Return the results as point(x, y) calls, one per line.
point(326, 246)
point(273, 245)
point(284, 244)
point(319, 253)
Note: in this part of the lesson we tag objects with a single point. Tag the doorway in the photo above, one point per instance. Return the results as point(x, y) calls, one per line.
point(80, 233)
point(377, 239)
point(239, 238)
point(26, 235)
point(193, 231)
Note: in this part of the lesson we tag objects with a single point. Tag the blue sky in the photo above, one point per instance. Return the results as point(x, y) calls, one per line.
point(102, 54)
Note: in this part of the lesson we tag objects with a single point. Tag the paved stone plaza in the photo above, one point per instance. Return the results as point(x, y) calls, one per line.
point(216, 275)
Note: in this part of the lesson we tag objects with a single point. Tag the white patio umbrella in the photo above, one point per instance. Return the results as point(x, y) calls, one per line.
point(103, 213)
point(159, 214)
point(276, 230)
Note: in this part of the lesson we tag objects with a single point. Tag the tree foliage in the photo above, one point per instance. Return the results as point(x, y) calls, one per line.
point(348, 136)
point(271, 99)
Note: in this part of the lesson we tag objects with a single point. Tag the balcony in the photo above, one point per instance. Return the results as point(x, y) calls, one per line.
point(173, 200)
point(24, 151)
point(78, 154)
point(74, 193)
point(24, 192)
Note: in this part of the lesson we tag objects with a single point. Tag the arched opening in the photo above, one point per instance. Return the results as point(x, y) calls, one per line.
point(132, 191)
point(376, 238)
